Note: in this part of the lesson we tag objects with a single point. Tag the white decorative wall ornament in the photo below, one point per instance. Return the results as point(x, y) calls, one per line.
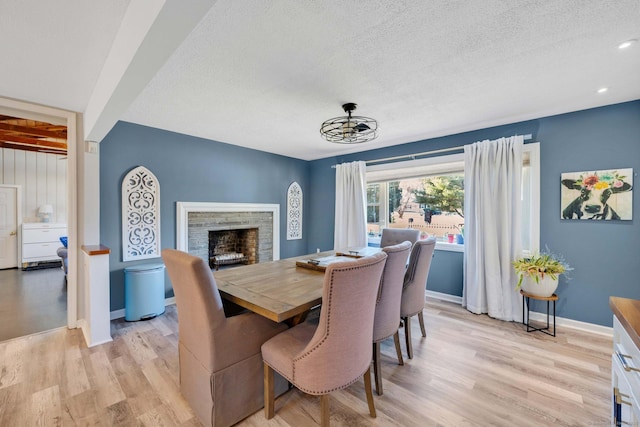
point(140, 215)
point(294, 212)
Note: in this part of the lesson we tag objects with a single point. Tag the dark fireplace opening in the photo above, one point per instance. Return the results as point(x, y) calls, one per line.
point(233, 247)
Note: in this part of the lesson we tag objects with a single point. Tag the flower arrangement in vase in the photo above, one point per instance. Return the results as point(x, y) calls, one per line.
point(538, 274)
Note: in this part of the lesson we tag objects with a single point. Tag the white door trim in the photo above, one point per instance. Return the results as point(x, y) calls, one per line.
point(18, 219)
point(69, 118)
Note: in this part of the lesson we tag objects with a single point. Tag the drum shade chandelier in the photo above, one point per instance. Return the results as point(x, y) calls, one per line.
point(349, 129)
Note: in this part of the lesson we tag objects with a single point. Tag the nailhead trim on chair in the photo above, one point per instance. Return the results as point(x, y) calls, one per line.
point(325, 338)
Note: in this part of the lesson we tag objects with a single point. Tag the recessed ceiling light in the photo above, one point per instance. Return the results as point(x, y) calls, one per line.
point(603, 89)
point(627, 44)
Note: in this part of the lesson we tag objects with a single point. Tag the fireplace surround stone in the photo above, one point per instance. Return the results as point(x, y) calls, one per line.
point(196, 219)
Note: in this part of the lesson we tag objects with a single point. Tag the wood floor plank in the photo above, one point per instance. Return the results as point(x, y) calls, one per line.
point(15, 405)
point(105, 381)
point(140, 394)
point(167, 390)
point(158, 416)
point(12, 355)
point(470, 370)
point(75, 380)
point(45, 360)
point(139, 347)
point(119, 414)
point(79, 409)
point(45, 407)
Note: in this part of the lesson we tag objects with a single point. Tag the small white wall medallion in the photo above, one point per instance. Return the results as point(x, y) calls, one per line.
point(140, 215)
point(294, 212)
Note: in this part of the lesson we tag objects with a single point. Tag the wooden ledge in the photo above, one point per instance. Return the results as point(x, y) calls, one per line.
point(92, 250)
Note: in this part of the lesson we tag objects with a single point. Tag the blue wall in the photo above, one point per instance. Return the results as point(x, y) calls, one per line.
point(190, 169)
point(604, 255)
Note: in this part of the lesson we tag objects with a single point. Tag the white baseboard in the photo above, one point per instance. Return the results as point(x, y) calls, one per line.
point(86, 332)
point(573, 324)
point(443, 297)
point(119, 314)
point(82, 324)
point(537, 316)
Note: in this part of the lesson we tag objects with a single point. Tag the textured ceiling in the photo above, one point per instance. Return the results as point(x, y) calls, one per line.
point(265, 75)
point(52, 51)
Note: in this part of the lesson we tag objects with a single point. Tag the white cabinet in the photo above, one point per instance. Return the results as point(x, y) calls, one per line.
point(40, 242)
point(625, 362)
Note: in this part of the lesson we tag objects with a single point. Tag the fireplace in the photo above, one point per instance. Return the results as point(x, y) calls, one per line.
point(196, 219)
point(235, 246)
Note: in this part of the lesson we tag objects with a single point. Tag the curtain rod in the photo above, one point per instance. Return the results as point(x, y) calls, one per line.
point(424, 153)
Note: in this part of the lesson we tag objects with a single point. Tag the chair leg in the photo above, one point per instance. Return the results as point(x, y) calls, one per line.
point(369, 392)
point(407, 336)
point(269, 410)
point(396, 341)
point(376, 368)
point(324, 410)
point(421, 320)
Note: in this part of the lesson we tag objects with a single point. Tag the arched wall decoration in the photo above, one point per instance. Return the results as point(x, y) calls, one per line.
point(140, 215)
point(294, 212)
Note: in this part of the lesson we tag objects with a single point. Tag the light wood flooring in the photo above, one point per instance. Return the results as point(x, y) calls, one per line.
point(471, 370)
point(31, 301)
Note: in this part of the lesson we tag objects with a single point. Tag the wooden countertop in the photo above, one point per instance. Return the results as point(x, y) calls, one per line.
point(628, 313)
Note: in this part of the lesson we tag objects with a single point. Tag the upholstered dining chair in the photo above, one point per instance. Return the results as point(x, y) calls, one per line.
point(385, 323)
point(393, 236)
point(415, 282)
point(337, 352)
point(219, 357)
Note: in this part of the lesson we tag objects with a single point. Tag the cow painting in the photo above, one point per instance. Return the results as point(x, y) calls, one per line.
point(597, 195)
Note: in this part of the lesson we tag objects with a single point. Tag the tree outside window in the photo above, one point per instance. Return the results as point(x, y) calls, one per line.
point(442, 193)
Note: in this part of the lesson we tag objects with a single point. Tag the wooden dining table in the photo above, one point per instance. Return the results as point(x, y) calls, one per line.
point(279, 290)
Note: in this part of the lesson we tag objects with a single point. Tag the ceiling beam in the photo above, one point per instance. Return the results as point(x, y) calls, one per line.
point(33, 131)
point(24, 147)
point(6, 137)
point(149, 34)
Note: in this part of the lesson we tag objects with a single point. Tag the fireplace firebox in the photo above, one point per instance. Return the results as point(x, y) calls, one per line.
point(232, 247)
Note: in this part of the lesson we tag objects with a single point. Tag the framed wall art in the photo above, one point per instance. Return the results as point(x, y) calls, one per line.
point(597, 195)
point(294, 212)
point(140, 215)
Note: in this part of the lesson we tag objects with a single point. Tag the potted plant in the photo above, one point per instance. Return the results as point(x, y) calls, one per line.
point(538, 274)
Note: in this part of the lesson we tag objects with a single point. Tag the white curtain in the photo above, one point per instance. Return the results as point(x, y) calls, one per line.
point(351, 206)
point(492, 214)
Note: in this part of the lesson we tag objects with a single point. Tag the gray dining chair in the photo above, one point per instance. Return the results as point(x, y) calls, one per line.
point(219, 357)
point(393, 236)
point(415, 283)
point(385, 323)
point(335, 353)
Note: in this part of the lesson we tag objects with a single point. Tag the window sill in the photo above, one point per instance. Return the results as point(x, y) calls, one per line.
point(440, 246)
point(449, 247)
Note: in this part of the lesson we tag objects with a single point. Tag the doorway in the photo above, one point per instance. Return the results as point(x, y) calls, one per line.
point(48, 282)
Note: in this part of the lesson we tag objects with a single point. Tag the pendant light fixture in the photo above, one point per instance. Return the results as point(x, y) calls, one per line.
point(349, 129)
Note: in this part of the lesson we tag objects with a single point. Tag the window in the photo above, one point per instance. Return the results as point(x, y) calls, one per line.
point(428, 195)
point(431, 204)
point(373, 204)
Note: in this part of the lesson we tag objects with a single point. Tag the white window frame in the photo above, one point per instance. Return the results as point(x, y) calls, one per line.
point(454, 163)
point(533, 152)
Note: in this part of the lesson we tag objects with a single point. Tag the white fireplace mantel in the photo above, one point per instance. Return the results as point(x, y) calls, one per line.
point(184, 208)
